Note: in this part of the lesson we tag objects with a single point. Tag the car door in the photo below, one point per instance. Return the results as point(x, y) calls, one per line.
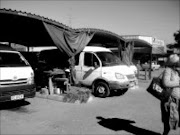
point(91, 68)
point(78, 65)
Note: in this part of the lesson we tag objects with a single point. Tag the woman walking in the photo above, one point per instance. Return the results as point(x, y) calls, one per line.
point(170, 107)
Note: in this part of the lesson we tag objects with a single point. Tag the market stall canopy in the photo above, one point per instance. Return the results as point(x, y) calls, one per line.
point(32, 30)
point(141, 46)
point(71, 42)
point(103, 38)
point(114, 42)
point(36, 31)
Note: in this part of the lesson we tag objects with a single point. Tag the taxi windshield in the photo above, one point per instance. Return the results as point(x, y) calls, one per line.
point(108, 58)
point(12, 59)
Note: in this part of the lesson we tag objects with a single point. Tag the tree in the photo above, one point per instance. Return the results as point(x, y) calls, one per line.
point(177, 39)
point(170, 46)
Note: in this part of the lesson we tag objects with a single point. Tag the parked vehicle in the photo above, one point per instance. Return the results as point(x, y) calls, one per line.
point(16, 76)
point(134, 68)
point(101, 69)
point(154, 66)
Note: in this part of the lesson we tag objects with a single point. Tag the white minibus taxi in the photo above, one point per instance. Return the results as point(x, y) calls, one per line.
point(16, 76)
point(101, 69)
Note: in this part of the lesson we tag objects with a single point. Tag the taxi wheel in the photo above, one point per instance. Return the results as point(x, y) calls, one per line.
point(101, 89)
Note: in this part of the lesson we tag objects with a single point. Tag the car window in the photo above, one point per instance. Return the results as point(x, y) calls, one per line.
point(90, 60)
point(108, 58)
point(12, 59)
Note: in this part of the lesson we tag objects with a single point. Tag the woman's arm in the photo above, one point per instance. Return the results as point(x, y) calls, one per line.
point(168, 80)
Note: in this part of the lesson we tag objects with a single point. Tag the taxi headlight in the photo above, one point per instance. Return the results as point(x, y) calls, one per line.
point(119, 76)
point(135, 72)
point(31, 79)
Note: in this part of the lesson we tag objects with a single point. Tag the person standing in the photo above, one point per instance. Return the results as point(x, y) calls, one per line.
point(73, 80)
point(170, 107)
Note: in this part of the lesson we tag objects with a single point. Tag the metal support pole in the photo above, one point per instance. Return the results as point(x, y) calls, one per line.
point(119, 49)
point(137, 72)
point(150, 64)
point(28, 49)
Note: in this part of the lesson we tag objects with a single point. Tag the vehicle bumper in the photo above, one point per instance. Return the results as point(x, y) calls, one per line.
point(133, 83)
point(28, 91)
point(117, 85)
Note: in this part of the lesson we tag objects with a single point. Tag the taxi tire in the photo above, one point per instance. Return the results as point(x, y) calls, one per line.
point(104, 86)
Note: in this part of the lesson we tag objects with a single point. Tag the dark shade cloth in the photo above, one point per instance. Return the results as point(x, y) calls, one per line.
point(68, 42)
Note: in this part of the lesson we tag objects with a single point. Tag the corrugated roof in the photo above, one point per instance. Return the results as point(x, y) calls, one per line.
point(54, 22)
point(45, 19)
point(100, 31)
point(20, 21)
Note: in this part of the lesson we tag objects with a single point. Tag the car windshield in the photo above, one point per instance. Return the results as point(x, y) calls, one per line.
point(108, 58)
point(12, 59)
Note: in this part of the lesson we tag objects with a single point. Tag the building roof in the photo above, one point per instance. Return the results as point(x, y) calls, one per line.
point(28, 29)
point(34, 16)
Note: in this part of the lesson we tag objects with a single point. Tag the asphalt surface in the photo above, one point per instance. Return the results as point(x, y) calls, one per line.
point(134, 113)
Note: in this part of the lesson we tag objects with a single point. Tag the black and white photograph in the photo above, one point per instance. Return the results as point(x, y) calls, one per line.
point(90, 67)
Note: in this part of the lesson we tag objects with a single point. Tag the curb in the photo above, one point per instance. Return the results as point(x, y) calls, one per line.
point(51, 97)
point(59, 98)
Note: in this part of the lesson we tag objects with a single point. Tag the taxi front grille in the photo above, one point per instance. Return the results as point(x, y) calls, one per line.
point(130, 76)
point(13, 82)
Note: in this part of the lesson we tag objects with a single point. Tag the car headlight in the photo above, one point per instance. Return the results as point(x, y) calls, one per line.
point(135, 71)
point(119, 76)
point(31, 79)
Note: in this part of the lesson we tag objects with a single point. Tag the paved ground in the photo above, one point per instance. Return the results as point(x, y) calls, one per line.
point(136, 112)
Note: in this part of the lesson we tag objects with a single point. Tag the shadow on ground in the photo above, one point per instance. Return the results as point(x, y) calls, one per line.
point(13, 105)
point(115, 93)
point(117, 124)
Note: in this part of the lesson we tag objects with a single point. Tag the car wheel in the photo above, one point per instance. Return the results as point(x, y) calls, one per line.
point(101, 89)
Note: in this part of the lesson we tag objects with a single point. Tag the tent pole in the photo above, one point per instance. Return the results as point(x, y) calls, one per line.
point(9, 43)
point(119, 49)
point(28, 48)
point(150, 64)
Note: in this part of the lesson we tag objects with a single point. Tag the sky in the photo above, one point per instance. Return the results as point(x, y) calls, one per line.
point(156, 18)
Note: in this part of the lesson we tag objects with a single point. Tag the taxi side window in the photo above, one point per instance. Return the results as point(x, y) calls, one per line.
point(90, 60)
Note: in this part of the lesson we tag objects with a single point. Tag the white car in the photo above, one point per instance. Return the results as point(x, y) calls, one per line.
point(154, 66)
point(134, 68)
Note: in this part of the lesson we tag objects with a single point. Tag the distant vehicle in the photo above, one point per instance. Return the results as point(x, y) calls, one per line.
point(154, 66)
point(16, 76)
